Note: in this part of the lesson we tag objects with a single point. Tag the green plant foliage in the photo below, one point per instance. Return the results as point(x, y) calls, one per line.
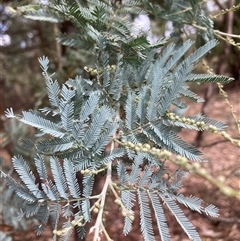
point(116, 123)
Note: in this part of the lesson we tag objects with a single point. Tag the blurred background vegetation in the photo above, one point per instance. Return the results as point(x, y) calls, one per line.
point(23, 41)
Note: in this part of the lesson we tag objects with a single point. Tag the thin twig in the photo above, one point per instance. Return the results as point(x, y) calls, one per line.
point(214, 143)
point(217, 32)
point(207, 97)
point(98, 224)
point(103, 195)
point(228, 18)
point(58, 49)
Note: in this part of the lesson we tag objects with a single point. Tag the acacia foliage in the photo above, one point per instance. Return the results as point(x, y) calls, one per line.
point(123, 122)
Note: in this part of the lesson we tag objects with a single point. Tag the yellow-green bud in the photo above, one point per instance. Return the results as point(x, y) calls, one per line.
point(97, 204)
point(93, 72)
point(153, 150)
point(73, 222)
point(139, 145)
point(166, 153)
point(221, 178)
point(95, 210)
point(130, 144)
point(131, 217)
point(117, 201)
point(213, 128)
point(145, 149)
point(202, 171)
point(227, 190)
point(147, 146)
point(224, 134)
point(196, 165)
point(137, 149)
point(188, 121)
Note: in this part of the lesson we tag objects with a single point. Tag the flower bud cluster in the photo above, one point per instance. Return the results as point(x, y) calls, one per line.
point(77, 222)
point(188, 121)
point(181, 160)
point(199, 124)
point(85, 172)
point(139, 147)
point(225, 135)
point(212, 129)
point(66, 230)
point(125, 212)
point(89, 172)
point(129, 214)
point(93, 71)
point(57, 232)
point(96, 207)
point(224, 11)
